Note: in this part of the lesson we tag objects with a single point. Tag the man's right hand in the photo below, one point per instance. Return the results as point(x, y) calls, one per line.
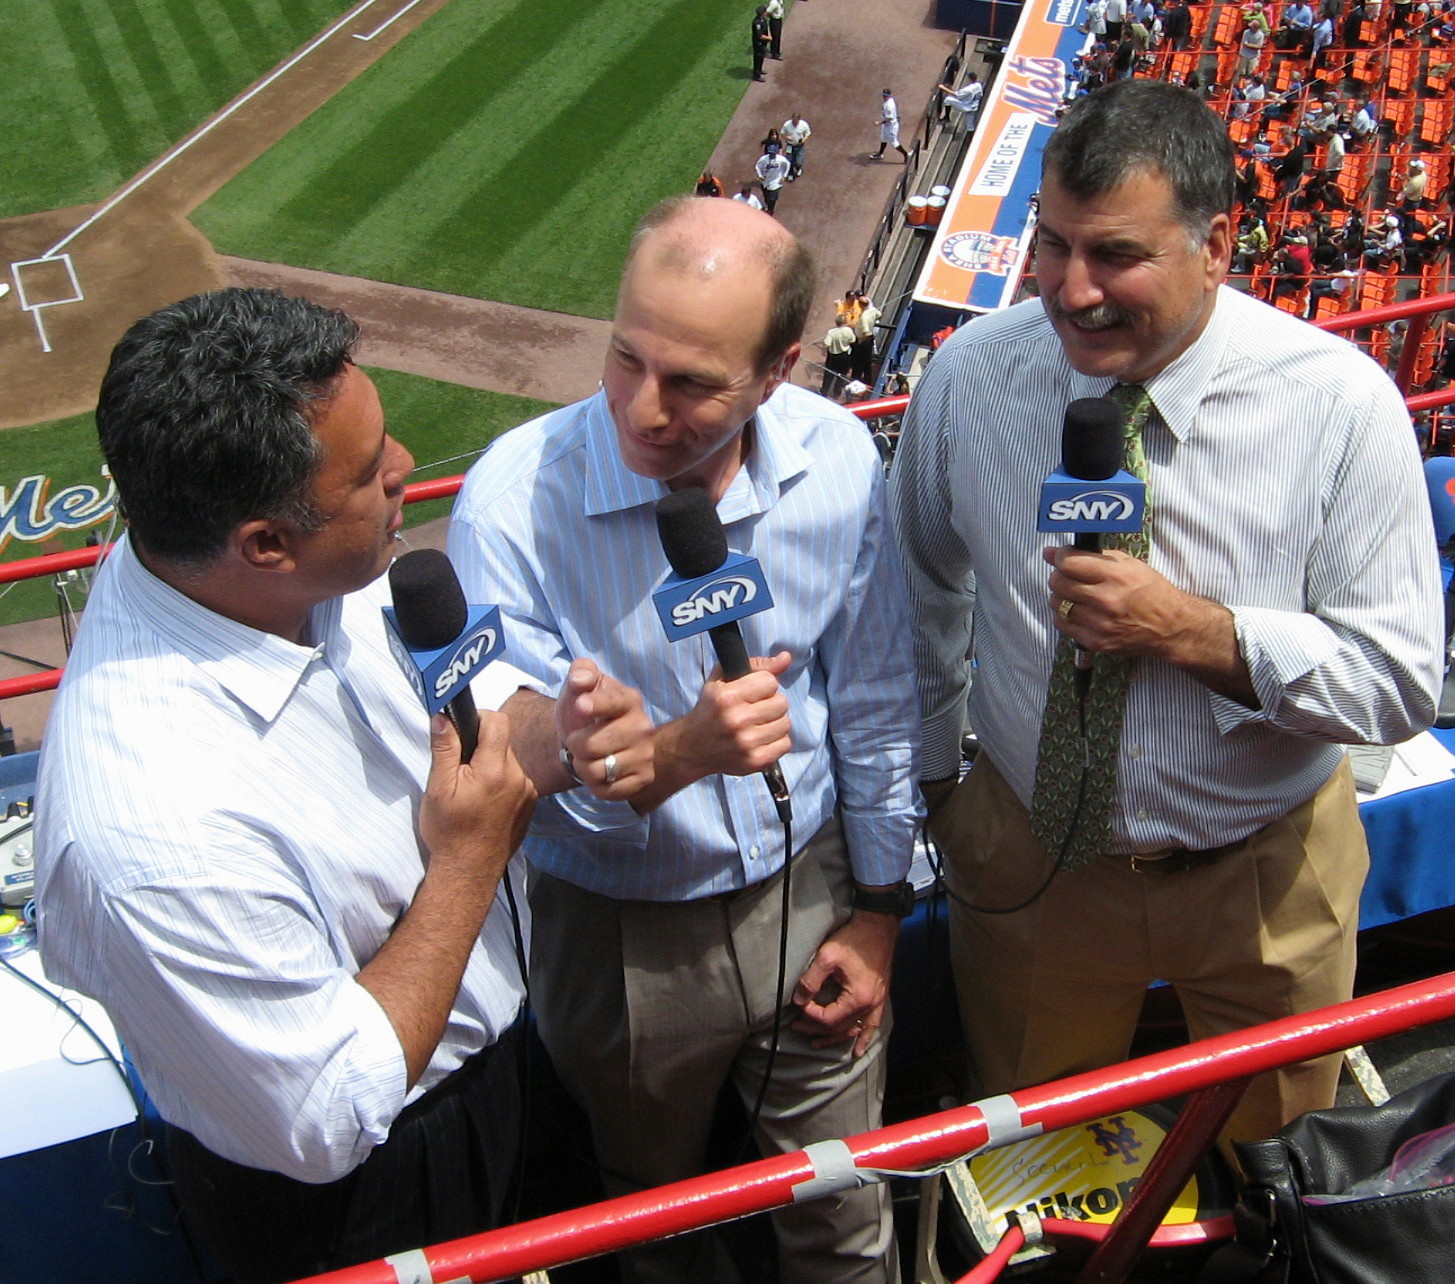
point(735, 729)
point(597, 718)
point(474, 814)
point(472, 817)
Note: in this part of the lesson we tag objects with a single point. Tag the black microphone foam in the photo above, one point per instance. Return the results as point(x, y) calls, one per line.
point(691, 533)
point(1093, 441)
point(430, 610)
point(429, 603)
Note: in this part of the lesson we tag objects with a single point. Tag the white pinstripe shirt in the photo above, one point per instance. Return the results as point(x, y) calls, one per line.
point(226, 835)
point(552, 526)
point(1286, 485)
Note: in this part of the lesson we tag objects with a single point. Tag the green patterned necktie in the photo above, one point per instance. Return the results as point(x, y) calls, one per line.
point(1076, 763)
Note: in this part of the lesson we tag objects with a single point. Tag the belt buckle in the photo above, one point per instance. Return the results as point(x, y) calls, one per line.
point(1174, 862)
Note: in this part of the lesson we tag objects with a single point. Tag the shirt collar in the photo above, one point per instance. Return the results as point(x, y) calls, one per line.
point(778, 454)
point(258, 669)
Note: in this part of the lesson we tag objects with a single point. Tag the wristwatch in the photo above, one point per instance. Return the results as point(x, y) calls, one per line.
point(897, 900)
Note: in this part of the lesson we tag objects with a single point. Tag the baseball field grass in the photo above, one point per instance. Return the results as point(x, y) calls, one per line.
point(444, 425)
point(502, 151)
point(94, 90)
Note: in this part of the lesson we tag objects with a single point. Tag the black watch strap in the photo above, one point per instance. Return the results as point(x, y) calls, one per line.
point(897, 900)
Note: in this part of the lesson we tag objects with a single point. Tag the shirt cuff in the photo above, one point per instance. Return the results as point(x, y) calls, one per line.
point(940, 752)
point(881, 847)
point(1279, 647)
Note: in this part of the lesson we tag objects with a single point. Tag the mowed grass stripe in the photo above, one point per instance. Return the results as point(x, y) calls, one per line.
point(481, 164)
point(97, 90)
point(468, 199)
point(490, 66)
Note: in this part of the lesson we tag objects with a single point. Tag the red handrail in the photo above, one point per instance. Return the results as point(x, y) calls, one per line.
point(920, 1143)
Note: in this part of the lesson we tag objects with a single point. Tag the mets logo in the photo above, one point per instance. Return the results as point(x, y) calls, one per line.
point(981, 252)
point(1123, 1141)
point(715, 597)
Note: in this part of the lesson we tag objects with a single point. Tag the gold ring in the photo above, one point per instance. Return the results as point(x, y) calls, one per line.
point(1064, 609)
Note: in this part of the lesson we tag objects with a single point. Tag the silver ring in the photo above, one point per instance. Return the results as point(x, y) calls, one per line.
point(1064, 609)
point(609, 763)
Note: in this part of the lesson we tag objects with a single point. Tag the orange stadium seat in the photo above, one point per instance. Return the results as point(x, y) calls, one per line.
point(1400, 112)
point(1435, 122)
point(1183, 63)
point(1229, 28)
point(1354, 177)
point(1404, 66)
point(1376, 290)
point(1368, 66)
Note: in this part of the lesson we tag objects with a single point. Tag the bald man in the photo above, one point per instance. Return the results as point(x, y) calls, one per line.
point(656, 951)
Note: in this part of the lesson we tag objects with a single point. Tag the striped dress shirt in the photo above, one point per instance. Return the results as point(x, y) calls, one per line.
point(226, 835)
point(1286, 485)
point(552, 526)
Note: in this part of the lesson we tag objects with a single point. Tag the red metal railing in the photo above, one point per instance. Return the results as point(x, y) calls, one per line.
point(1209, 1066)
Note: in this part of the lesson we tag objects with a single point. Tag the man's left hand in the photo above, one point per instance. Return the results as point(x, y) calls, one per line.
point(856, 959)
point(1120, 606)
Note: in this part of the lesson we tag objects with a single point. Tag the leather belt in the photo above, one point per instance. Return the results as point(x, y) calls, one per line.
point(1178, 860)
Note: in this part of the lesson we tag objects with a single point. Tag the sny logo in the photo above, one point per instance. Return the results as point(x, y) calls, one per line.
point(464, 662)
point(734, 591)
point(714, 599)
point(1092, 506)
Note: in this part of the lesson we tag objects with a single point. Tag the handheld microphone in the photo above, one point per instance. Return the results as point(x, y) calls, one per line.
point(1090, 494)
point(696, 547)
point(440, 641)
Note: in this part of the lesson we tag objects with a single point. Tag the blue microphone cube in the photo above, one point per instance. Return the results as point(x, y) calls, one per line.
point(1077, 506)
point(733, 592)
point(439, 676)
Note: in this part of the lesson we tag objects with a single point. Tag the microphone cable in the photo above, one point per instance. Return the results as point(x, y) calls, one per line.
point(785, 814)
point(1083, 685)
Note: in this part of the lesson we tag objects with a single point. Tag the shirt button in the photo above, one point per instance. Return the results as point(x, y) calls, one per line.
point(1142, 813)
point(755, 852)
point(1134, 751)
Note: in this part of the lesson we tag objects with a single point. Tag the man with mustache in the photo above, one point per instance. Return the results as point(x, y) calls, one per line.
point(1184, 812)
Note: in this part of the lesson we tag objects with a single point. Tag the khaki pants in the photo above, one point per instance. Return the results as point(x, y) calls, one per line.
point(649, 1007)
point(1266, 931)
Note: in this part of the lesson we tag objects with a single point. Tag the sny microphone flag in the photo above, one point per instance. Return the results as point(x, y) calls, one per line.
point(439, 675)
point(734, 591)
point(1108, 505)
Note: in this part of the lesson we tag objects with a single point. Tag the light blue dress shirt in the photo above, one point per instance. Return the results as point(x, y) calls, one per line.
point(553, 527)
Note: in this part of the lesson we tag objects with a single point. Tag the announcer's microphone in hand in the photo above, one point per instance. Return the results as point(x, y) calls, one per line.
point(1091, 494)
point(713, 592)
point(440, 641)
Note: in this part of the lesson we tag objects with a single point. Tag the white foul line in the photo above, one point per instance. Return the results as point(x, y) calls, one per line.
point(206, 129)
point(388, 24)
